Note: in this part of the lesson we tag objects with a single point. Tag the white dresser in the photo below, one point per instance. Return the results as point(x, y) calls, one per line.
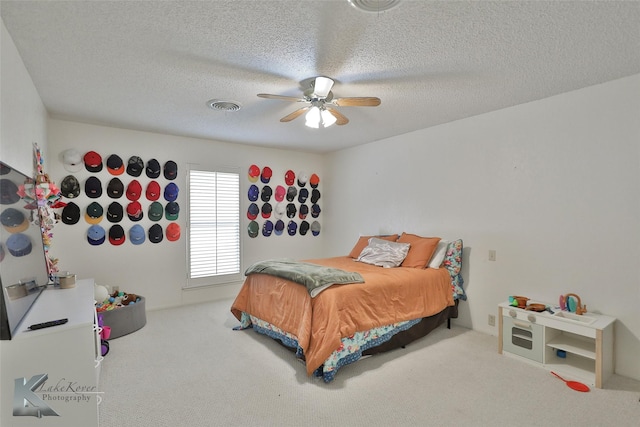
point(49, 377)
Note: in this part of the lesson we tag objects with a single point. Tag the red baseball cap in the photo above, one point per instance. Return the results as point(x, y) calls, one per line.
point(153, 191)
point(134, 190)
point(173, 232)
point(93, 161)
point(289, 177)
point(265, 177)
point(254, 173)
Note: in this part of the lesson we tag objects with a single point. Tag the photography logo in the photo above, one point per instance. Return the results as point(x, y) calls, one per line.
point(26, 402)
point(32, 398)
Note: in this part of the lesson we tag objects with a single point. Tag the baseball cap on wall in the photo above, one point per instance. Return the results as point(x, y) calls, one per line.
point(153, 169)
point(137, 234)
point(314, 180)
point(70, 187)
point(93, 161)
point(171, 211)
point(253, 173)
point(170, 170)
point(266, 193)
point(302, 179)
point(93, 187)
point(280, 193)
point(9, 192)
point(96, 235)
point(14, 221)
point(315, 228)
point(171, 192)
point(267, 228)
point(252, 211)
point(134, 211)
point(266, 210)
point(292, 227)
point(173, 232)
point(71, 213)
point(134, 190)
point(115, 212)
point(304, 227)
point(94, 213)
point(116, 235)
point(72, 160)
point(115, 188)
point(115, 165)
point(155, 211)
point(19, 245)
point(153, 191)
point(279, 227)
point(135, 166)
point(289, 177)
point(155, 233)
point(253, 229)
point(253, 193)
point(266, 174)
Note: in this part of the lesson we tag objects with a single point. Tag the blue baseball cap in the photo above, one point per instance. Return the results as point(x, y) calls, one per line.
point(253, 193)
point(315, 210)
point(137, 234)
point(253, 211)
point(19, 244)
point(267, 228)
point(292, 228)
point(96, 235)
point(279, 227)
point(171, 192)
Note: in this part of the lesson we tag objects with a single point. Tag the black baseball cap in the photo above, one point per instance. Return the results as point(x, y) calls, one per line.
point(170, 170)
point(115, 212)
point(8, 192)
point(93, 187)
point(116, 235)
point(135, 166)
point(153, 168)
point(155, 233)
point(71, 213)
point(115, 188)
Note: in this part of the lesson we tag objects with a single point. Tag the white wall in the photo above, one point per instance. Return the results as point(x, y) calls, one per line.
point(23, 117)
point(553, 186)
point(158, 271)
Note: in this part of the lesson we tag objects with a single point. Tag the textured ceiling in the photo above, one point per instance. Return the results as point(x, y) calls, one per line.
point(153, 65)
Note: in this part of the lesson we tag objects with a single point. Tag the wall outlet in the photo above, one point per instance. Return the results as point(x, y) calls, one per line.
point(492, 320)
point(492, 255)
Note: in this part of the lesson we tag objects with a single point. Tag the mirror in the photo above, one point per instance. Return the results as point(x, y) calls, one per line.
point(23, 267)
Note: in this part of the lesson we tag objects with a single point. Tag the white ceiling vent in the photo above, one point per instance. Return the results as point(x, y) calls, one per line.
point(222, 105)
point(374, 5)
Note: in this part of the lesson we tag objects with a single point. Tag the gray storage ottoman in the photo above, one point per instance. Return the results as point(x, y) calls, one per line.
point(126, 319)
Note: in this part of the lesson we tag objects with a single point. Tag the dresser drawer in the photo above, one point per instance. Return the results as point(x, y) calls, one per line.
point(523, 338)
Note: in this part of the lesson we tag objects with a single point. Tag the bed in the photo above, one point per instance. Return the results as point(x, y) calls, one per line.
point(331, 321)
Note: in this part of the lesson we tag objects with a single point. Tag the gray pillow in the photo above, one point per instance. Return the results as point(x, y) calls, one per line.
point(384, 253)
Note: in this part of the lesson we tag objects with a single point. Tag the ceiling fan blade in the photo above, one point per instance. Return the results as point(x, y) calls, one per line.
point(365, 101)
point(340, 118)
point(295, 114)
point(282, 98)
point(322, 86)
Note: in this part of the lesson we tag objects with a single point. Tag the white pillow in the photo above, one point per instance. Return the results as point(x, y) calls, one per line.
point(439, 254)
point(384, 253)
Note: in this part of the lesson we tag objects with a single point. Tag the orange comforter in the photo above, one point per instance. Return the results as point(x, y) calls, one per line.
point(389, 295)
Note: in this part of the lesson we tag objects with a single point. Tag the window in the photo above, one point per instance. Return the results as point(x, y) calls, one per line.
point(214, 227)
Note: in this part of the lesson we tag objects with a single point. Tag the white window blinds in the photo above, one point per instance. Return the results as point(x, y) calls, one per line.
point(214, 227)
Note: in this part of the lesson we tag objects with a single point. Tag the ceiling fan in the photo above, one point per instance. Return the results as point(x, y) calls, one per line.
point(321, 110)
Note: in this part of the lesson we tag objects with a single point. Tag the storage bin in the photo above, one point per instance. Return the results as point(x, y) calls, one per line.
point(126, 319)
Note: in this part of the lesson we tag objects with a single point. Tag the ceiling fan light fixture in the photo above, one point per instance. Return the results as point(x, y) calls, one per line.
point(222, 105)
point(313, 118)
point(318, 117)
point(327, 118)
point(322, 86)
point(374, 5)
